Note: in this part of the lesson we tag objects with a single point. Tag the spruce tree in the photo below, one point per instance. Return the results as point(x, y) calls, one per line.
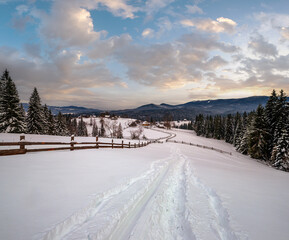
point(119, 131)
point(81, 129)
point(271, 118)
point(61, 126)
point(102, 129)
point(94, 129)
point(51, 124)
point(35, 116)
point(4, 78)
point(237, 128)
point(73, 127)
point(46, 119)
point(12, 119)
point(259, 134)
point(241, 131)
point(281, 161)
point(229, 129)
point(244, 143)
point(247, 122)
point(281, 113)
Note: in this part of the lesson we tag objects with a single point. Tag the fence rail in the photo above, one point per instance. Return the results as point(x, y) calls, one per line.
point(72, 145)
point(200, 146)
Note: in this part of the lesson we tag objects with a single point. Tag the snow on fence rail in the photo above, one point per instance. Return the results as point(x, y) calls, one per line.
point(201, 146)
point(72, 146)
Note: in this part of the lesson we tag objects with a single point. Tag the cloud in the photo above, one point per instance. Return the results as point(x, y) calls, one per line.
point(259, 46)
point(21, 22)
point(274, 21)
point(67, 25)
point(119, 8)
point(219, 26)
point(173, 65)
point(108, 47)
point(215, 63)
point(285, 33)
point(61, 74)
point(33, 50)
point(193, 9)
point(207, 42)
point(21, 9)
point(148, 33)
point(153, 6)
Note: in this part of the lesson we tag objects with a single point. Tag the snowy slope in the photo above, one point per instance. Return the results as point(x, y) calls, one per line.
point(162, 191)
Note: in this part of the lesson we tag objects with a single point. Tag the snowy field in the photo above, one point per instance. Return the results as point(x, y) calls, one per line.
point(125, 123)
point(162, 191)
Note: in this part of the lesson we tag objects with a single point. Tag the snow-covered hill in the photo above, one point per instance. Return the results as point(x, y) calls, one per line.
point(162, 191)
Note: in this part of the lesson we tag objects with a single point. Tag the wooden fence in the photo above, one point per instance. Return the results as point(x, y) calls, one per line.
point(200, 146)
point(72, 145)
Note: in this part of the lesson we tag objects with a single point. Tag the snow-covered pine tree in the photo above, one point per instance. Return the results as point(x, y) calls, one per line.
point(3, 81)
point(81, 128)
point(102, 129)
point(259, 134)
point(60, 125)
point(12, 119)
point(35, 116)
point(281, 113)
point(199, 125)
point(281, 152)
point(271, 118)
point(237, 128)
point(243, 147)
point(229, 129)
point(45, 119)
point(217, 127)
point(119, 131)
point(248, 121)
point(94, 129)
point(73, 127)
point(51, 124)
point(241, 131)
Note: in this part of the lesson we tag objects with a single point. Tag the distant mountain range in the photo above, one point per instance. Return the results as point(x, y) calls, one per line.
point(181, 111)
point(69, 110)
point(191, 109)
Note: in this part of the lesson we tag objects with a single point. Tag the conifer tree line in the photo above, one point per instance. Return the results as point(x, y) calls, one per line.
point(263, 134)
point(38, 120)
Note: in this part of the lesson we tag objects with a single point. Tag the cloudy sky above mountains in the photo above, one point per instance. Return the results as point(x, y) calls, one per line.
point(113, 54)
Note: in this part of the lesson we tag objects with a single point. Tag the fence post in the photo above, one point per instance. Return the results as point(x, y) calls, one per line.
point(129, 145)
point(22, 144)
point(122, 144)
point(111, 143)
point(96, 139)
point(134, 145)
point(72, 143)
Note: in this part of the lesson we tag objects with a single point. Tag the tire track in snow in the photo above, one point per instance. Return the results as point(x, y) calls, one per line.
point(220, 224)
point(78, 218)
point(166, 215)
point(158, 212)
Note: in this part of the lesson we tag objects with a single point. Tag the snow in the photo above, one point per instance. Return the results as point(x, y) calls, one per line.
point(162, 191)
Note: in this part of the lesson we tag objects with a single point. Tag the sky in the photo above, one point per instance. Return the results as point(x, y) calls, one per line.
point(116, 54)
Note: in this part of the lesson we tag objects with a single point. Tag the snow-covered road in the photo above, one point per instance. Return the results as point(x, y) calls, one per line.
point(166, 202)
point(163, 191)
